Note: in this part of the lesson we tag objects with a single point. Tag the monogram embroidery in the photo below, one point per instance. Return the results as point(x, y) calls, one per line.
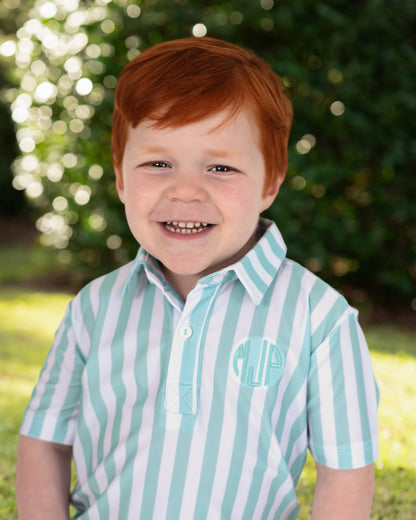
point(258, 362)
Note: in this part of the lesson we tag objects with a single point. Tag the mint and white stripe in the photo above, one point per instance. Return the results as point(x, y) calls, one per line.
point(203, 409)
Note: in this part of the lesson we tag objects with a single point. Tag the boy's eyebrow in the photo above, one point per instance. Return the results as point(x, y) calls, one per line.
point(149, 148)
point(218, 152)
point(212, 152)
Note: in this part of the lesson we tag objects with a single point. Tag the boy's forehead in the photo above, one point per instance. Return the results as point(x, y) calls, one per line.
point(160, 120)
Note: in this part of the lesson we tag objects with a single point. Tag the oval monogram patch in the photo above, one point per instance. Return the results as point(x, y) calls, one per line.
point(258, 361)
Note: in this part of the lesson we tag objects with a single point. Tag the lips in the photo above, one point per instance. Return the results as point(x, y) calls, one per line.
point(186, 228)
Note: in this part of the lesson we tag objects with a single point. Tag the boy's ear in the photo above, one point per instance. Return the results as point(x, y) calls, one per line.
point(271, 192)
point(119, 183)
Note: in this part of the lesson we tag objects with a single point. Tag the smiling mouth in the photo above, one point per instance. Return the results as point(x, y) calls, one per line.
point(186, 228)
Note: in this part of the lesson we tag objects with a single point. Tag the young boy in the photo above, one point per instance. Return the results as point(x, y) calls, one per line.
point(190, 383)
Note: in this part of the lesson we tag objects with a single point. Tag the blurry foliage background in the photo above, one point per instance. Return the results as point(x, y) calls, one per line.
point(347, 209)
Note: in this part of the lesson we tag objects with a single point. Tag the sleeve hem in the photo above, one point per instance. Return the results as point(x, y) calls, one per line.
point(349, 457)
point(47, 428)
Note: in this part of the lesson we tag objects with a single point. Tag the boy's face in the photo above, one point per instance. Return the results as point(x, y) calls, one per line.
point(193, 194)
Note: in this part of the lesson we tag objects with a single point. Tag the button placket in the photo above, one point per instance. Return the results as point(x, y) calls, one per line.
point(180, 398)
point(181, 387)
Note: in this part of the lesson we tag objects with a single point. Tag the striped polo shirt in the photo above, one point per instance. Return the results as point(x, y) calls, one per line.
point(205, 409)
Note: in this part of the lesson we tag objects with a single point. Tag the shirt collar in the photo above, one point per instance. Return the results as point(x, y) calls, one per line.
point(149, 264)
point(255, 270)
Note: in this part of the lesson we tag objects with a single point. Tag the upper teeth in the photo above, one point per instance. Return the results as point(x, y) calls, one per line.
point(186, 227)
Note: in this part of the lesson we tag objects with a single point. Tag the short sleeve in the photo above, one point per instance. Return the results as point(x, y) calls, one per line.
point(343, 399)
point(53, 409)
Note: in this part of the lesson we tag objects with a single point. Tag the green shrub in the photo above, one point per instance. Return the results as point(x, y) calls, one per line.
point(347, 208)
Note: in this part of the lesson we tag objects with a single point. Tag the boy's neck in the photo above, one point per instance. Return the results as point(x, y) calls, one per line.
point(182, 284)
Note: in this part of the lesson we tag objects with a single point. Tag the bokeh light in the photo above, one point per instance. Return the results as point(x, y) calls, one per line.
point(199, 30)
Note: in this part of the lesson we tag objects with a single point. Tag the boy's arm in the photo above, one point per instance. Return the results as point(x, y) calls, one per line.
point(43, 479)
point(343, 494)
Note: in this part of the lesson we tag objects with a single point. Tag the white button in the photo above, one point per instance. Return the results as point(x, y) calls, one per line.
point(185, 332)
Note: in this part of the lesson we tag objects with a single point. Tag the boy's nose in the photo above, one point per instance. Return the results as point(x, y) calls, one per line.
point(187, 187)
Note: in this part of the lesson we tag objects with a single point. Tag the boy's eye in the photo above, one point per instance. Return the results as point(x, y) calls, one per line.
point(159, 164)
point(220, 169)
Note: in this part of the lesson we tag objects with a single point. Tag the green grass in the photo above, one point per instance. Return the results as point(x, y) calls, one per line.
point(27, 323)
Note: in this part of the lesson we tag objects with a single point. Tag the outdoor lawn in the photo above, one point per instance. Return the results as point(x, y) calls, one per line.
point(29, 317)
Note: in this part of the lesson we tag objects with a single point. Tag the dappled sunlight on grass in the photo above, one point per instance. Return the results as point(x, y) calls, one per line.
point(32, 311)
point(305, 488)
point(396, 467)
point(391, 340)
point(396, 376)
point(27, 325)
point(394, 497)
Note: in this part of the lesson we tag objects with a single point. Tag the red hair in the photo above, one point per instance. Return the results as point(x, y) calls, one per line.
point(183, 81)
